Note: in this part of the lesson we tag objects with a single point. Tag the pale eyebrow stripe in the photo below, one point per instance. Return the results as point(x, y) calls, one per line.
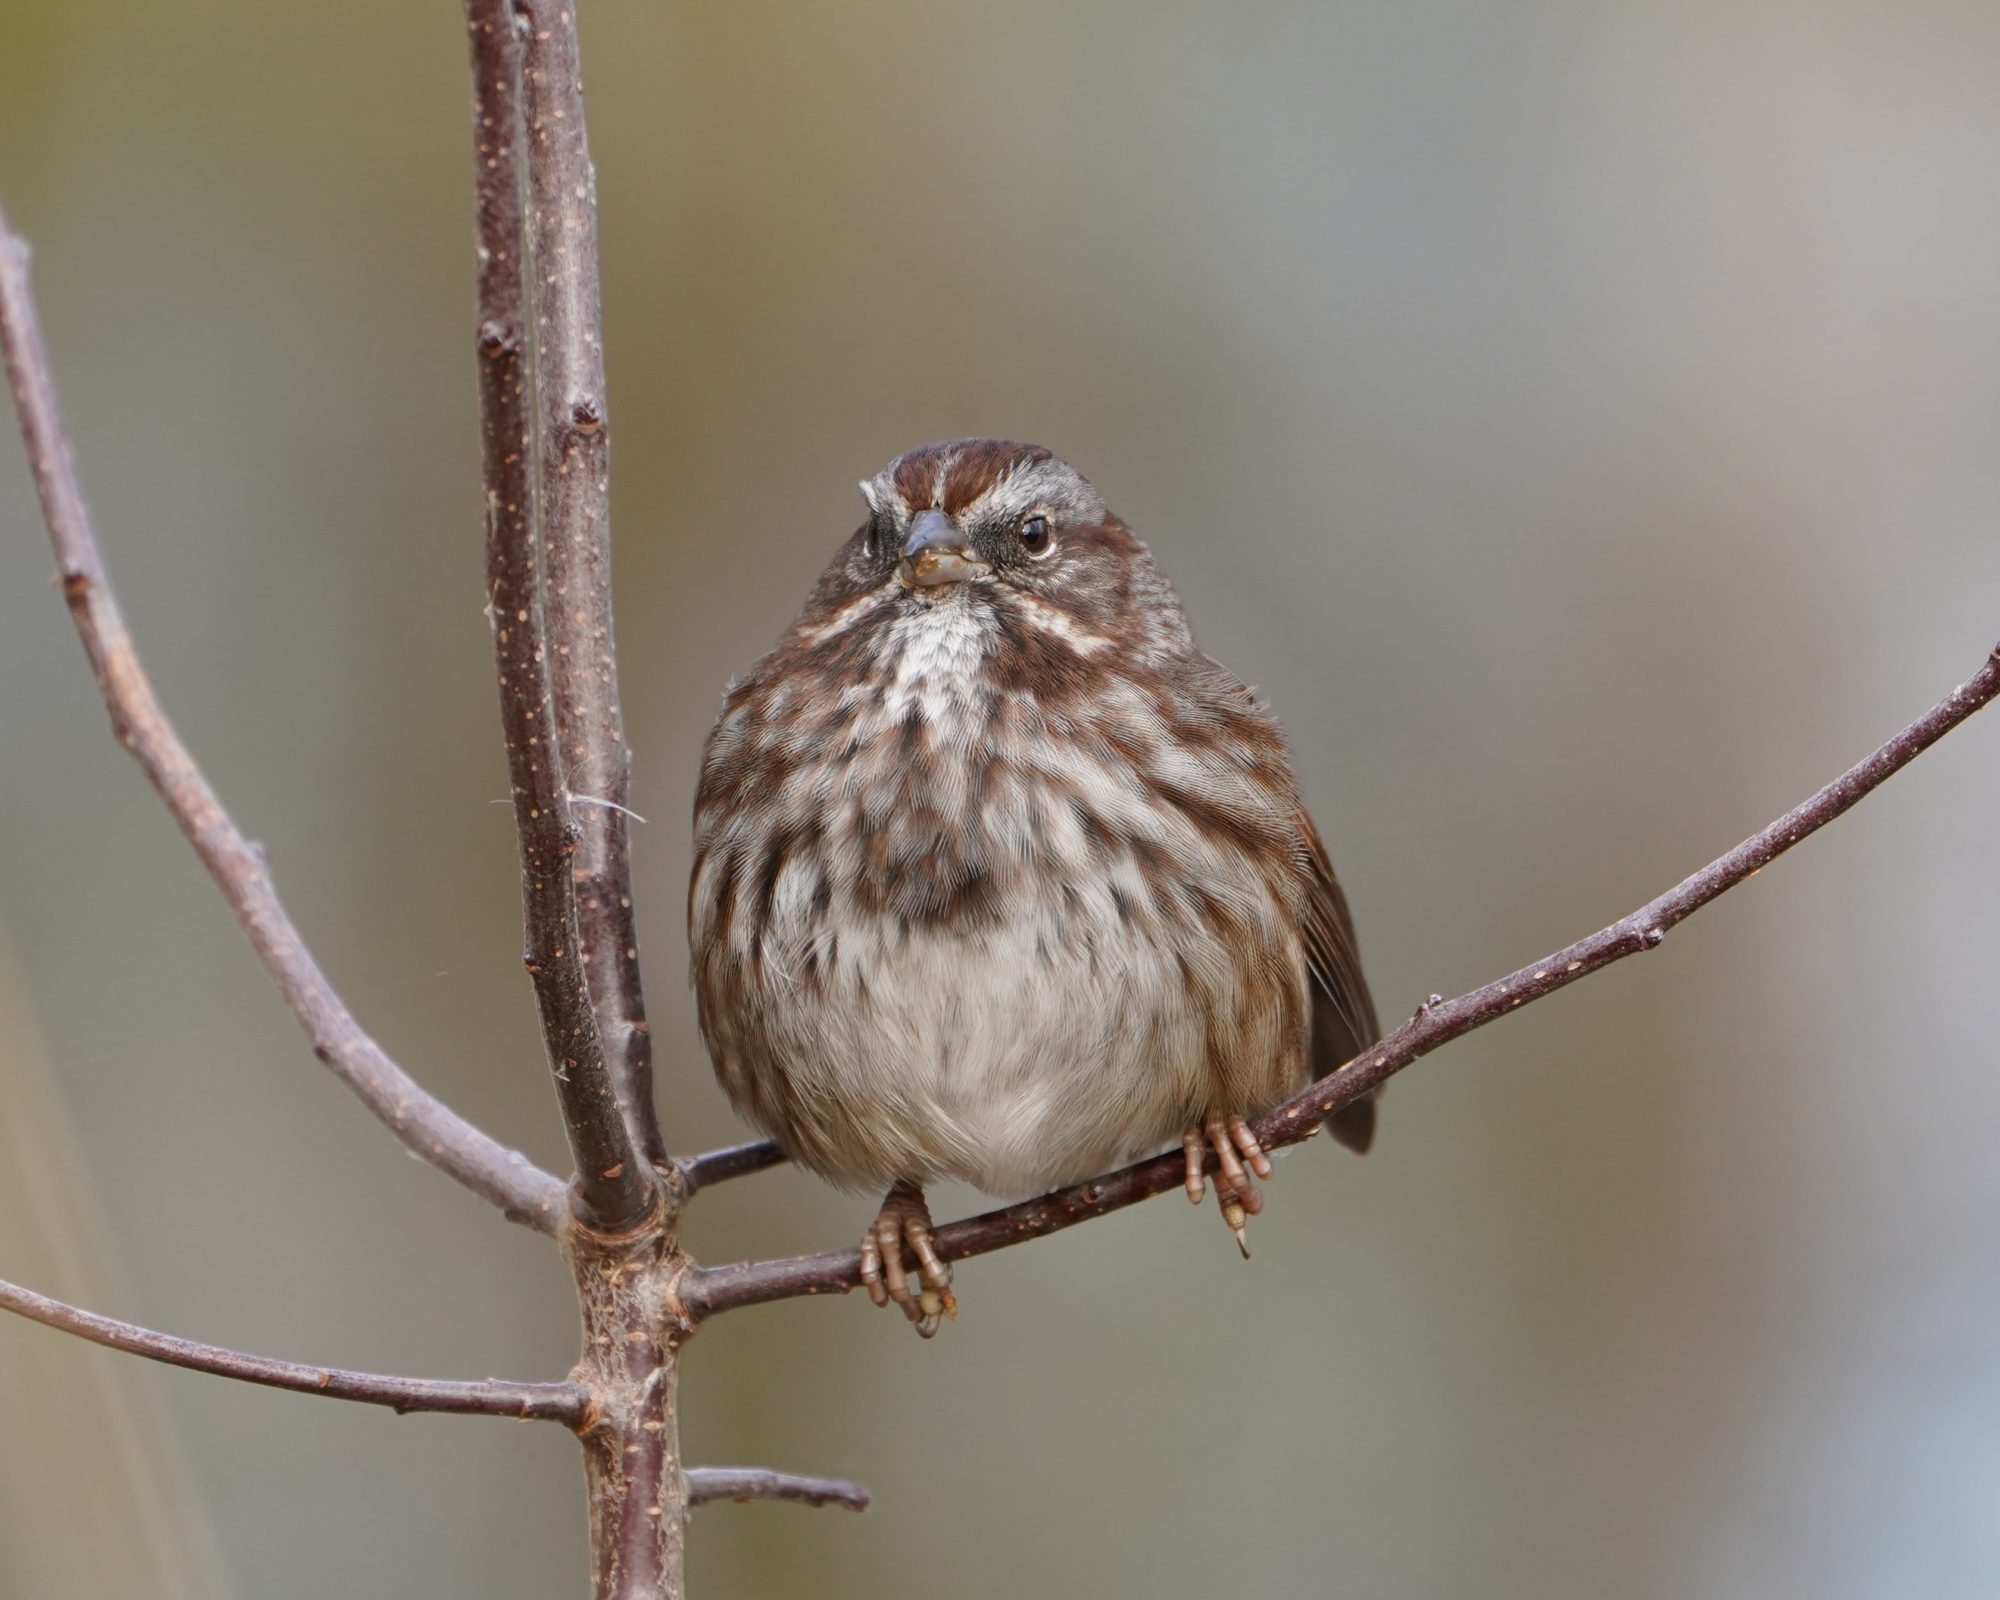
point(1000, 491)
point(1030, 485)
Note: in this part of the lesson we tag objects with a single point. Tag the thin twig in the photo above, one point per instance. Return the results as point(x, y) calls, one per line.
point(426, 1126)
point(712, 1289)
point(574, 495)
point(732, 1161)
point(567, 1403)
point(706, 1485)
point(615, 1189)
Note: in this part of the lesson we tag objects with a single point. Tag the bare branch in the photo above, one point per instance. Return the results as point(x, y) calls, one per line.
point(706, 1485)
point(567, 1403)
point(615, 1188)
point(712, 1289)
point(574, 494)
point(732, 1161)
point(426, 1126)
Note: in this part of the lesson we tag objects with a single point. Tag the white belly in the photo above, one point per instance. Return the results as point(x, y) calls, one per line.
point(933, 1055)
point(1059, 1040)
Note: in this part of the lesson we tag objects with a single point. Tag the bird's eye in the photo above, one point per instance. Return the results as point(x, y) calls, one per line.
point(1037, 537)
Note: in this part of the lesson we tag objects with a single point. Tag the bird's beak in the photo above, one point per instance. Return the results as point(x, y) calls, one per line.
point(935, 553)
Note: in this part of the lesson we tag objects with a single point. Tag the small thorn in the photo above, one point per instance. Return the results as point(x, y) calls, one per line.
point(1242, 1242)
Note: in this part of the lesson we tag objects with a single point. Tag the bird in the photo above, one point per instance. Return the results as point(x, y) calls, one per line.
point(998, 877)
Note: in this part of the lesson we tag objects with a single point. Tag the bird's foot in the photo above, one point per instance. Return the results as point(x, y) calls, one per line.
point(904, 1222)
point(1234, 1144)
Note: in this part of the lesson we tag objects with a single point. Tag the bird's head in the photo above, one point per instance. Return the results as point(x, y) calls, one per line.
point(985, 511)
point(999, 542)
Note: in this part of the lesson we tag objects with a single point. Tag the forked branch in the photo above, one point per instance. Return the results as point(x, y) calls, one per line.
point(426, 1126)
point(567, 1403)
point(1437, 1022)
point(548, 561)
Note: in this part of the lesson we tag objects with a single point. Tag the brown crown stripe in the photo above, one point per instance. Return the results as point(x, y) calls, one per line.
point(972, 466)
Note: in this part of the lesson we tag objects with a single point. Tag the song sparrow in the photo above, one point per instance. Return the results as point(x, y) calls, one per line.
point(998, 877)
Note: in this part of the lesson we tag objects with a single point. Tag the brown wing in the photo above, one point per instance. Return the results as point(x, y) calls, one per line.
point(1343, 1022)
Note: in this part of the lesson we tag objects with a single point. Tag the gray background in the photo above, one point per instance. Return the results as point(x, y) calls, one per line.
point(1580, 421)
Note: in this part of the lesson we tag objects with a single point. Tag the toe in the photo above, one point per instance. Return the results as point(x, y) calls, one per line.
point(889, 1241)
point(871, 1270)
point(936, 1270)
point(1246, 1141)
point(1234, 1180)
point(1194, 1150)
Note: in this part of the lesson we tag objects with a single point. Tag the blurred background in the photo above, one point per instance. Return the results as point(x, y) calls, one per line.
point(1579, 420)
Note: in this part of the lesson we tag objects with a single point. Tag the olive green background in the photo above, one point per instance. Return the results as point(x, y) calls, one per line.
point(1581, 422)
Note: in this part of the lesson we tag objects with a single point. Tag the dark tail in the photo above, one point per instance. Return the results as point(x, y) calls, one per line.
point(1354, 1126)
